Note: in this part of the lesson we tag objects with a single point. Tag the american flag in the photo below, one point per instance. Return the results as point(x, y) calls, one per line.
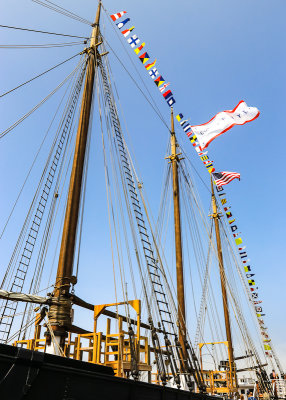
point(224, 177)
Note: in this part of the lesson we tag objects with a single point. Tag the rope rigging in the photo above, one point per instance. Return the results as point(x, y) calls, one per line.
point(33, 164)
point(54, 7)
point(250, 304)
point(37, 76)
point(138, 87)
point(136, 209)
point(49, 173)
point(154, 267)
point(189, 199)
point(194, 221)
point(55, 202)
point(40, 46)
point(20, 120)
point(37, 31)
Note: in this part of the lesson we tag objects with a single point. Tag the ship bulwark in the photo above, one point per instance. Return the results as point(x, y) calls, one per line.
point(29, 375)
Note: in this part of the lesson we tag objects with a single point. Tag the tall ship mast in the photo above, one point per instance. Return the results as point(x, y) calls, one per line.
point(147, 337)
point(60, 314)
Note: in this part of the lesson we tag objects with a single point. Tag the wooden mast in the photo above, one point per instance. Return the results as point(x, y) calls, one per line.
point(60, 316)
point(215, 215)
point(178, 239)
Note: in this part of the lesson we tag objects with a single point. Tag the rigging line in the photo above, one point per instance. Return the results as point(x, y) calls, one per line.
point(241, 322)
point(62, 178)
point(163, 206)
point(70, 12)
point(193, 212)
point(138, 87)
point(64, 12)
point(49, 228)
point(203, 262)
point(156, 245)
point(38, 271)
point(159, 242)
point(158, 113)
point(132, 62)
point(115, 156)
point(115, 128)
point(48, 33)
point(19, 331)
point(36, 224)
point(112, 214)
point(115, 214)
point(83, 194)
point(120, 105)
point(32, 206)
point(196, 171)
point(54, 340)
point(2, 134)
point(118, 187)
point(107, 186)
point(160, 116)
point(124, 188)
point(40, 46)
point(242, 278)
point(43, 73)
point(24, 229)
point(9, 316)
point(33, 163)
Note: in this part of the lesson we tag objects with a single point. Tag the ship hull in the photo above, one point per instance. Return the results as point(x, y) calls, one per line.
point(29, 375)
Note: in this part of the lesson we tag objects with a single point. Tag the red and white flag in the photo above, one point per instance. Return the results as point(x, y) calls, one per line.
point(224, 177)
point(163, 87)
point(223, 121)
point(116, 16)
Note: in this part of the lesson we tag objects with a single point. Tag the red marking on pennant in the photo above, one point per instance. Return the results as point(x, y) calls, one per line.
point(140, 48)
point(114, 17)
point(167, 93)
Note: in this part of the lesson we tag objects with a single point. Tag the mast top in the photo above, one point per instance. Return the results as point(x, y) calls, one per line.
point(172, 122)
point(95, 31)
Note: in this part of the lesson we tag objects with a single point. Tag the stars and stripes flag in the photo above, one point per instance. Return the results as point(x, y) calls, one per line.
point(224, 177)
point(116, 16)
point(223, 121)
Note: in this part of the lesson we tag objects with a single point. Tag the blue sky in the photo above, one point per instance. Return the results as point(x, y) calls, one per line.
point(214, 53)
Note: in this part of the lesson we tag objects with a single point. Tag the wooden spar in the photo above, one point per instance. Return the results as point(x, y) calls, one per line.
point(178, 238)
point(215, 215)
point(60, 317)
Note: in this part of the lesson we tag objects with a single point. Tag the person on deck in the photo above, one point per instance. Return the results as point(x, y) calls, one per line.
point(273, 375)
point(251, 397)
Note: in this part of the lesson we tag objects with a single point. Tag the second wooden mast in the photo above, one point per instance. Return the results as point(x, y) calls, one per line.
point(178, 240)
point(60, 315)
point(232, 369)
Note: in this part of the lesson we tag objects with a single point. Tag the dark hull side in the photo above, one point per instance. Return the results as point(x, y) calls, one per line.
point(29, 375)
